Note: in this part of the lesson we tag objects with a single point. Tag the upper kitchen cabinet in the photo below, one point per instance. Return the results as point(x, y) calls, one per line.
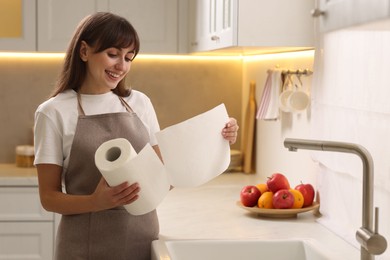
point(211, 24)
point(339, 14)
point(250, 24)
point(17, 25)
point(156, 21)
point(57, 21)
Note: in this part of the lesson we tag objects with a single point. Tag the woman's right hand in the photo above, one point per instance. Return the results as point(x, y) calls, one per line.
point(106, 197)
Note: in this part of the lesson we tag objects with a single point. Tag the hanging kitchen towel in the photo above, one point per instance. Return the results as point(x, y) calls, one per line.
point(264, 101)
point(269, 107)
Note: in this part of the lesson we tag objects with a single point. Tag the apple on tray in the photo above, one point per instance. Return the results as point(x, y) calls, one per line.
point(308, 193)
point(283, 199)
point(277, 181)
point(249, 195)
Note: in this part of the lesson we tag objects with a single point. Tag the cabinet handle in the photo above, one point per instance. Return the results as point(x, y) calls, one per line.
point(214, 38)
point(317, 12)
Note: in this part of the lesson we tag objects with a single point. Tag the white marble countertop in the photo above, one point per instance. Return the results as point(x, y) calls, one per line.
point(210, 212)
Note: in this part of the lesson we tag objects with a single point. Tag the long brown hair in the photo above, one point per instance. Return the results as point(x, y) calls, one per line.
point(101, 30)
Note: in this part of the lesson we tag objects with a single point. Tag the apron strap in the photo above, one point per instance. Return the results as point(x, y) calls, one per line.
point(79, 107)
point(124, 103)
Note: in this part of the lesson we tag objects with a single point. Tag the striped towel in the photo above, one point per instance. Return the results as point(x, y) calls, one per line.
point(269, 108)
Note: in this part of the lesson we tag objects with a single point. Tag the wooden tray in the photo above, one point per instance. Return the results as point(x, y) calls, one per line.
point(278, 213)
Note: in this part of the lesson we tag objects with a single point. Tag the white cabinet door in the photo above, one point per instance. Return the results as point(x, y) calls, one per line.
point(22, 204)
point(225, 23)
point(200, 23)
point(156, 22)
point(217, 24)
point(26, 41)
point(26, 240)
point(57, 21)
point(212, 24)
point(339, 14)
point(26, 229)
point(276, 23)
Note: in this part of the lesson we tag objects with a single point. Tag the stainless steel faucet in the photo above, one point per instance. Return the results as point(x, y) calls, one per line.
point(372, 243)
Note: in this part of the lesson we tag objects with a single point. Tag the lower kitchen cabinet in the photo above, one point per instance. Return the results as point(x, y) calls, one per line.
point(26, 229)
point(26, 240)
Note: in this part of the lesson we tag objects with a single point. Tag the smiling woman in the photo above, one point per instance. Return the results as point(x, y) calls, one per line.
point(95, 36)
point(91, 105)
point(92, 83)
point(105, 69)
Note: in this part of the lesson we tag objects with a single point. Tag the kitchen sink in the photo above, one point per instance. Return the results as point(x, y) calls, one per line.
point(215, 249)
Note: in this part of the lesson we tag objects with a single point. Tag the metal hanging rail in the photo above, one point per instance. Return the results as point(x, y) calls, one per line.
point(305, 72)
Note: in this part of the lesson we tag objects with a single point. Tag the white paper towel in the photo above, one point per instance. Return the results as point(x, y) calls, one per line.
point(118, 162)
point(194, 152)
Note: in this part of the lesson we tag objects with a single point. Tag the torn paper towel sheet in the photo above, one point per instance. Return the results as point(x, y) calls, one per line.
point(194, 152)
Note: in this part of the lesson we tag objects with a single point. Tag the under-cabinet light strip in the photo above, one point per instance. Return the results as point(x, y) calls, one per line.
point(255, 57)
point(281, 55)
point(38, 55)
point(30, 55)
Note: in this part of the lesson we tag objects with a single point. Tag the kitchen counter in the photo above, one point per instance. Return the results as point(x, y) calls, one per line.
point(10, 175)
point(210, 212)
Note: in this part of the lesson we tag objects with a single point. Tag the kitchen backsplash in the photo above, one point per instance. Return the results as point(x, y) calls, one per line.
point(179, 87)
point(271, 156)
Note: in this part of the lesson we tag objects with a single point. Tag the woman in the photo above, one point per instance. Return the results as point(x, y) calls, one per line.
point(89, 106)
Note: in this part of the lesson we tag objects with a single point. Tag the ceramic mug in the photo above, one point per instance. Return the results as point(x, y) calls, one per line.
point(287, 90)
point(298, 101)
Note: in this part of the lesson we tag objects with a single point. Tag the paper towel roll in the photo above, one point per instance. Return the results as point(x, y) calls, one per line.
point(118, 162)
point(111, 157)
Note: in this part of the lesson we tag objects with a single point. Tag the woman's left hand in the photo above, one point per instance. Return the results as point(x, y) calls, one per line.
point(229, 132)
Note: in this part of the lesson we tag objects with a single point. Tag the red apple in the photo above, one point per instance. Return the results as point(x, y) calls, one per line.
point(308, 193)
point(277, 181)
point(249, 195)
point(283, 199)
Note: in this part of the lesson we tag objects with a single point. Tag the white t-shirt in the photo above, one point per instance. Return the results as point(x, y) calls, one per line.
point(56, 119)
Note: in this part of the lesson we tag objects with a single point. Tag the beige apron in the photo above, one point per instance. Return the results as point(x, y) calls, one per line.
point(110, 234)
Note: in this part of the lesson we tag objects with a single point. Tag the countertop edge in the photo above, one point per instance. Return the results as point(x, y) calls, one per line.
point(10, 175)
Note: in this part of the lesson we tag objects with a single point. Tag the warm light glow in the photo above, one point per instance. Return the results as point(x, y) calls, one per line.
point(187, 57)
point(282, 55)
point(139, 56)
point(30, 55)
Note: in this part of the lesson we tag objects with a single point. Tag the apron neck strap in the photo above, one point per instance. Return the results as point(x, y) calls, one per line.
point(125, 104)
point(79, 107)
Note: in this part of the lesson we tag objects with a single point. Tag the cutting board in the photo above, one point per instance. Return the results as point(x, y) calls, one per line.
point(249, 127)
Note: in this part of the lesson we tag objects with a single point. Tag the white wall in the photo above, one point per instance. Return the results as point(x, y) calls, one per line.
point(271, 156)
point(351, 103)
